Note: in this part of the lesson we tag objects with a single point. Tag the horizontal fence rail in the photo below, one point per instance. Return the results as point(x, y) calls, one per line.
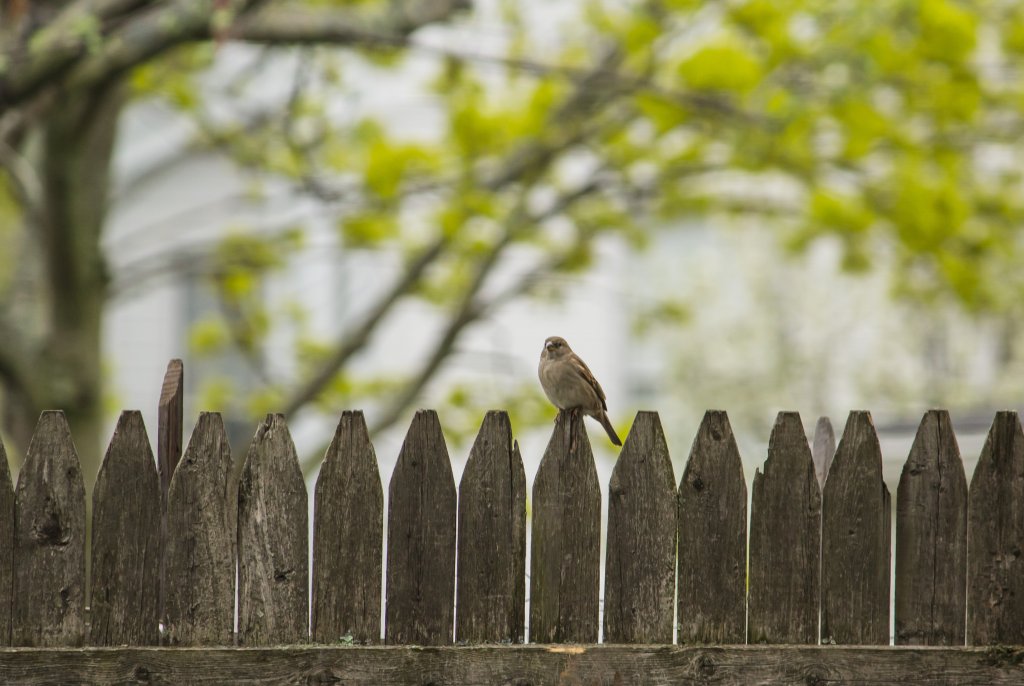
point(814, 567)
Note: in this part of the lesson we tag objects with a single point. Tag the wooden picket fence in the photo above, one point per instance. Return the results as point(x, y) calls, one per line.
point(817, 572)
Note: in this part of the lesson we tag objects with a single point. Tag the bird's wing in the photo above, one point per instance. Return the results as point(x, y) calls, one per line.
point(583, 370)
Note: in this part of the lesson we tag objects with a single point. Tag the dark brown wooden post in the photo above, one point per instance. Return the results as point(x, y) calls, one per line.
point(823, 449)
point(273, 541)
point(200, 569)
point(491, 605)
point(170, 424)
point(49, 540)
point(995, 538)
point(565, 554)
point(931, 538)
point(6, 546)
point(170, 429)
point(420, 607)
point(785, 540)
point(639, 588)
point(713, 537)
point(348, 530)
point(126, 514)
point(855, 538)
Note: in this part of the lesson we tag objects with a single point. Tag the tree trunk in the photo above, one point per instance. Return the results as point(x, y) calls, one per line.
point(77, 139)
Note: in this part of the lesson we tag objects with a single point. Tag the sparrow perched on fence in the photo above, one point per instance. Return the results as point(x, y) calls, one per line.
point(569, 384)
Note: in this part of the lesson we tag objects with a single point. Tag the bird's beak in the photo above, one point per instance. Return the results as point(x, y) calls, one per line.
point(549, 346)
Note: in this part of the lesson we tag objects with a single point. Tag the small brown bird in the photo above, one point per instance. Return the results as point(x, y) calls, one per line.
point(569, 383)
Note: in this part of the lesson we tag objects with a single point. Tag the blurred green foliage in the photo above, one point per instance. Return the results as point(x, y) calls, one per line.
point(895, 127)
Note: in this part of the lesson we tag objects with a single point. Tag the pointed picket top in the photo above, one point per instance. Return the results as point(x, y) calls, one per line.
point(641, 552)
point(170, 424)
point(712, 530)
point(823, 448)
point(565, 554)
point(931, 538)
point(273, 540)
point(855, 538)
point(995, 572)
point(420, 607)
point(348, 531)
point(492, 538)
point(6, 546)
point(200, 562)
point(48, 606)
point(126, 540)
point(785, 540)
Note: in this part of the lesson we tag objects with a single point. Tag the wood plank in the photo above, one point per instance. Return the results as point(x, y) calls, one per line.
point(273, 541)
point(639, 589)
point(170, 424)
point(170, 430)
point(126, 514)
point(420, 607)
point(995, 535)
point(200, 564)
point(565, 556)
point(785, 540)
point(348, 531)
point(49, 540)
point(491, 605)
point(712, 524)
point(824, 448)
point(931, 538)
point(6, 546)
point(524, 664)
point(855, 538)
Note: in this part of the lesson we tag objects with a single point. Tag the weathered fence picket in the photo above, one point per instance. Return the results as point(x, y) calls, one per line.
point(491, 586)
point(6, 546)
point(712, 531)
point(813, 553)
point(855, 537)
point(785, 540)
point(200, 569)
point(639, 588)
point(931, 538)
point(126, 512)
point(823, 448)
point(348, 530)
point(995, 538)
point(273, 540)
point(565, 553)
point(420, 606)
point(48, 607)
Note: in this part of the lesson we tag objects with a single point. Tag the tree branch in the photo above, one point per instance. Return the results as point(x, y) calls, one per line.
point(358, 338)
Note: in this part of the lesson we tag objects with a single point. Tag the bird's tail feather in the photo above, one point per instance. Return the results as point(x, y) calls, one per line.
point(609, 429)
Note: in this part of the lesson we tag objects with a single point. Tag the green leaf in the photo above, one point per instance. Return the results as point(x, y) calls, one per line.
point(723, 64)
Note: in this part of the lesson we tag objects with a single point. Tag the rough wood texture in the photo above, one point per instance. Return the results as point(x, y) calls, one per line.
point(126, 515)
point(712, 524)
point(491, 605)
point(995, 571)
point(200, 565)
point(824, 448)
point(611, 665)
point(639, 588)
point(170, 428)
point(785, 540)
point(170, 424)
point(565, 555)
point(855, 537)
point(420, 608)
point(931, 538)
point(49, 540)
point(348, 530)
point(273, 541)
point(6, 546)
